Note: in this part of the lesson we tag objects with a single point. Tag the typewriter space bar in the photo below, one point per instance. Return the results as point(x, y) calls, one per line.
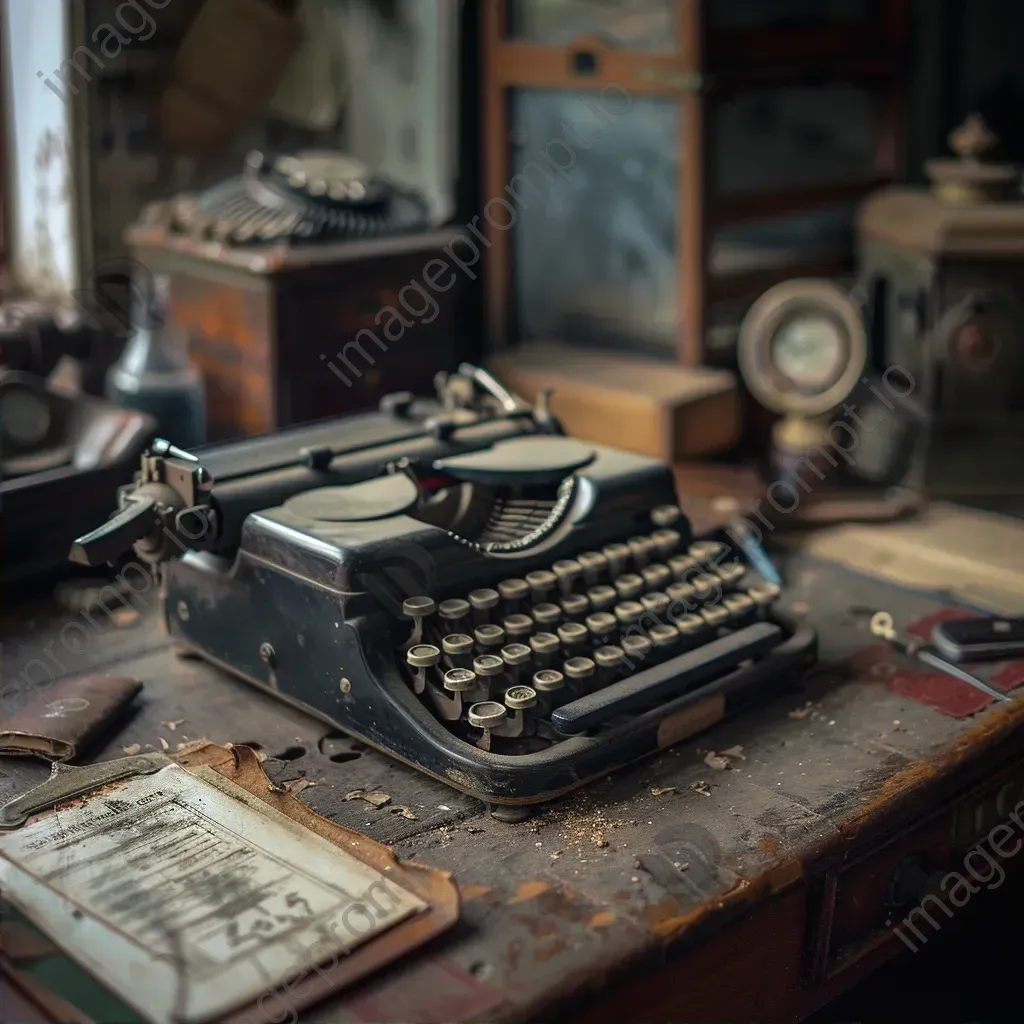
point(667, 680)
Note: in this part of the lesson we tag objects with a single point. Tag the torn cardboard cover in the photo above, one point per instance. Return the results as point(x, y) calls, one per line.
point(195, 890)
point(60, 721)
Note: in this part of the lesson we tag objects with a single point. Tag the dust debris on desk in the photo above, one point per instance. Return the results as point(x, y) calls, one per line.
point(377, 800)
point(663, 790)
point(701, 787)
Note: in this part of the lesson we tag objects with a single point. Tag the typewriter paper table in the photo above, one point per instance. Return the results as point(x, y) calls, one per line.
point(698, 892)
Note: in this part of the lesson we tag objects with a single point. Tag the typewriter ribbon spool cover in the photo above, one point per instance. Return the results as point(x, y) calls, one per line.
point(195, 890)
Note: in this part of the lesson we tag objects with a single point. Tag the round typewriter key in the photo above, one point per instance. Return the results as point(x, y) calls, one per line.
point(573, 635)
point(593, 563)
point(546, 614)
point(664, 638)
point(629, 612)
point(708, 552)
point(741, 608)
point(548, 680)
point(683, 595)
point(635, 649)
point(629, 586)
point(617, 555)
point(458, 680)
point(609, 662)
point(715, 615)
point(519, 698)
point(666, 542)
point(423, 656)
point(601, 624)
point(665, 515)
point(483, 601)
point(764, 595)
point(693, 630)
point(682, 566)
point(518, 625)
point(567, 571)
point(541, 583)
point(418, 607)
point(515, 654)
point(488, 665)
point(602, 597)
point(705, 585)
point(580, 675)
point(730, 573)
point(458, 648)
point(489, 636)
point(513, 592)
point(656, 603)
point(486, 714)
point(544, 646)
point(641, 549)
point(454, 612)
point(575, 606)
point(656, 576)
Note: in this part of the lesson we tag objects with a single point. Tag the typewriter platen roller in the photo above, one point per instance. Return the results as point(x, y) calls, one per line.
point(513, 616)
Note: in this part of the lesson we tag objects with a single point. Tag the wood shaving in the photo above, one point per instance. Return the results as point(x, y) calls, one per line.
point(164, 745)
point(172, 725)
point(132, 749)
point(801, 712)
point(716, 761)
point(296, 786)
point(701, 787)
point(375, 799)
point(662, 790)
point(401, 809)
point(736, 752)
point(192, 745)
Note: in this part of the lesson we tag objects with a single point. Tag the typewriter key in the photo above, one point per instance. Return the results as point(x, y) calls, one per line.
point(617, 556)
point(730, 573)
point(417, 609)
point(665, 639)
point(741, 608)
point(518, 626)
point(666, 542)
point(629, 586)
point(609, 661)
point(546, 615)
point(455, 614)
point(458, 680)
point(489, 637)
point(602, 597)
point(513, 592)
point(635, 649)
point(629, 612)
point(665, 515)
point(458, 650)
point(483, 601)
point(656, 603)
point(517, 660)
point(486, 715)
point(519, 698)
point(601, 625)
point(715, 615)
point(487, 666)
point(547, 680)
point(575, 606)
point(656, 576)
point(683, 567)
point(705, 585)
point(541, 583)
point(544, 646)
point(693, 630)
point(708, 552)
point(641, 549)
point(579, 675)
point(764, 595)
point(683, 598)
point(593, 564)
point(573, 636)
point(567, 571)
point(421, 657)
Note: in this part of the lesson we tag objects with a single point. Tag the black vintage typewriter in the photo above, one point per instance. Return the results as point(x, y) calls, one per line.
point(456, 583)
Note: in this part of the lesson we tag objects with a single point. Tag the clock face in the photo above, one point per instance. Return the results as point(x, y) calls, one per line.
point(809, 350)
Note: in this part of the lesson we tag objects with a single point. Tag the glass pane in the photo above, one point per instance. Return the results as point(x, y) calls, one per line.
point(783, 241)
point(594, 238)
point(731, 15)
point(647, 25)
point(771, 139)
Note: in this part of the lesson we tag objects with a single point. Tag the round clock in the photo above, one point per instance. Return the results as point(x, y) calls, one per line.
point(802, 347)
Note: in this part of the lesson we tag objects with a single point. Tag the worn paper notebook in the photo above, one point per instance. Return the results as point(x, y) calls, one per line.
point(190, 896)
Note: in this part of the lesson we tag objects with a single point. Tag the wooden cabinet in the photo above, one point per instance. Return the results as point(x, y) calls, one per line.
point(651, 166)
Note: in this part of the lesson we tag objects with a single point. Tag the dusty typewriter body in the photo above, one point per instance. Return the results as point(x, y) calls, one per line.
point(507, 609)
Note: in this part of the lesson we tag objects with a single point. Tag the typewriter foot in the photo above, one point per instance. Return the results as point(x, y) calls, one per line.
point(510, 815)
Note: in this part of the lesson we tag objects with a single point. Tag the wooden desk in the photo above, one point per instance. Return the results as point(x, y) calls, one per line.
point(668, 891)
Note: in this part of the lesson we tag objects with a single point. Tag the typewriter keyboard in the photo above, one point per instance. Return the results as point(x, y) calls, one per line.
point(565, 650)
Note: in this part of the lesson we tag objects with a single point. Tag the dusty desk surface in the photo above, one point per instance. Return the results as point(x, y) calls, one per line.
point(576, 911)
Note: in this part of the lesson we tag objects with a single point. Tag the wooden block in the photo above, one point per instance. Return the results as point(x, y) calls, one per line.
point(653, 408)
